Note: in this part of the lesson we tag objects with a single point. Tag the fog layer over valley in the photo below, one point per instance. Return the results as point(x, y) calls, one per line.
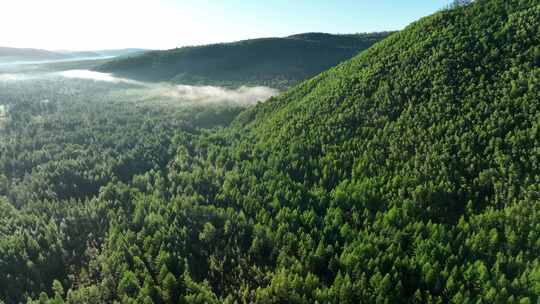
point(123, 87)
point(124, 126)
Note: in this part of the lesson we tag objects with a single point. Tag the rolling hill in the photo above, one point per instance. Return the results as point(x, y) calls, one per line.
point(277, 62)
point(419, 160)
point(121, 52)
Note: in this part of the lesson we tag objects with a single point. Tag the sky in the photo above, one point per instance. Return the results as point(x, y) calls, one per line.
point(165, 24)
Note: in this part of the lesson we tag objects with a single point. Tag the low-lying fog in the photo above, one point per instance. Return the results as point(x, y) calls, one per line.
point(91, 75)
point(186, 93)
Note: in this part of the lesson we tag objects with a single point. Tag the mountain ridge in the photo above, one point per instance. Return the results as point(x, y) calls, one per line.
point(279, 62)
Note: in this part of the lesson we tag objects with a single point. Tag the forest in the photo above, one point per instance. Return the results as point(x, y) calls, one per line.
point(407, 174)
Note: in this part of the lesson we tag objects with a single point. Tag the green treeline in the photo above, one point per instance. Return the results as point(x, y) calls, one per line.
point(274, 62)
point(408, 174)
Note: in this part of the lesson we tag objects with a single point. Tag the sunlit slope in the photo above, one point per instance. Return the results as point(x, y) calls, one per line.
point(429, 146)
point(429, 143)
point(452, 102)
point(277, 62)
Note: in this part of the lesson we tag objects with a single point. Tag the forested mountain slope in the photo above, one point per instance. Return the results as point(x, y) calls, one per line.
point(427, 147)
point(451, 99)
point(409, 174)
point(277, 62)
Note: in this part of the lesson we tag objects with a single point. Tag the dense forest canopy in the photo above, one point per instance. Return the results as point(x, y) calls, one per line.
point(274, 62)
point(408, 174)
point(62, 142)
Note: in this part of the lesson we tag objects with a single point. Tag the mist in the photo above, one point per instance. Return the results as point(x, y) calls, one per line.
point(96, 76)
point(6, 77)
point(186, 93)
point(151, 91)
point(212, 94)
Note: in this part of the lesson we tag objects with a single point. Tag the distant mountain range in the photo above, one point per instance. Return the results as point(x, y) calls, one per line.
point(8, 54)
point(275, 62)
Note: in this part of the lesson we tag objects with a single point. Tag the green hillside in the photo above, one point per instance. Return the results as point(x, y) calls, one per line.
point(419, 160)
point(408, 174)
point(277, 62)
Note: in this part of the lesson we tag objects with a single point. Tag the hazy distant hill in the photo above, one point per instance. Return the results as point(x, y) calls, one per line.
point(8, 54)
point(277, 62)
point(120, 52)
point(79, 54)
point(18, 54)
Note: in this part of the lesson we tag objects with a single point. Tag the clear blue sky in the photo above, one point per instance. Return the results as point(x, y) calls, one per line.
point(285, 17)
point(162, 24)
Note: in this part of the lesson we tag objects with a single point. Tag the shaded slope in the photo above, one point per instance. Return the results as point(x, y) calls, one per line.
point(273, 61)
